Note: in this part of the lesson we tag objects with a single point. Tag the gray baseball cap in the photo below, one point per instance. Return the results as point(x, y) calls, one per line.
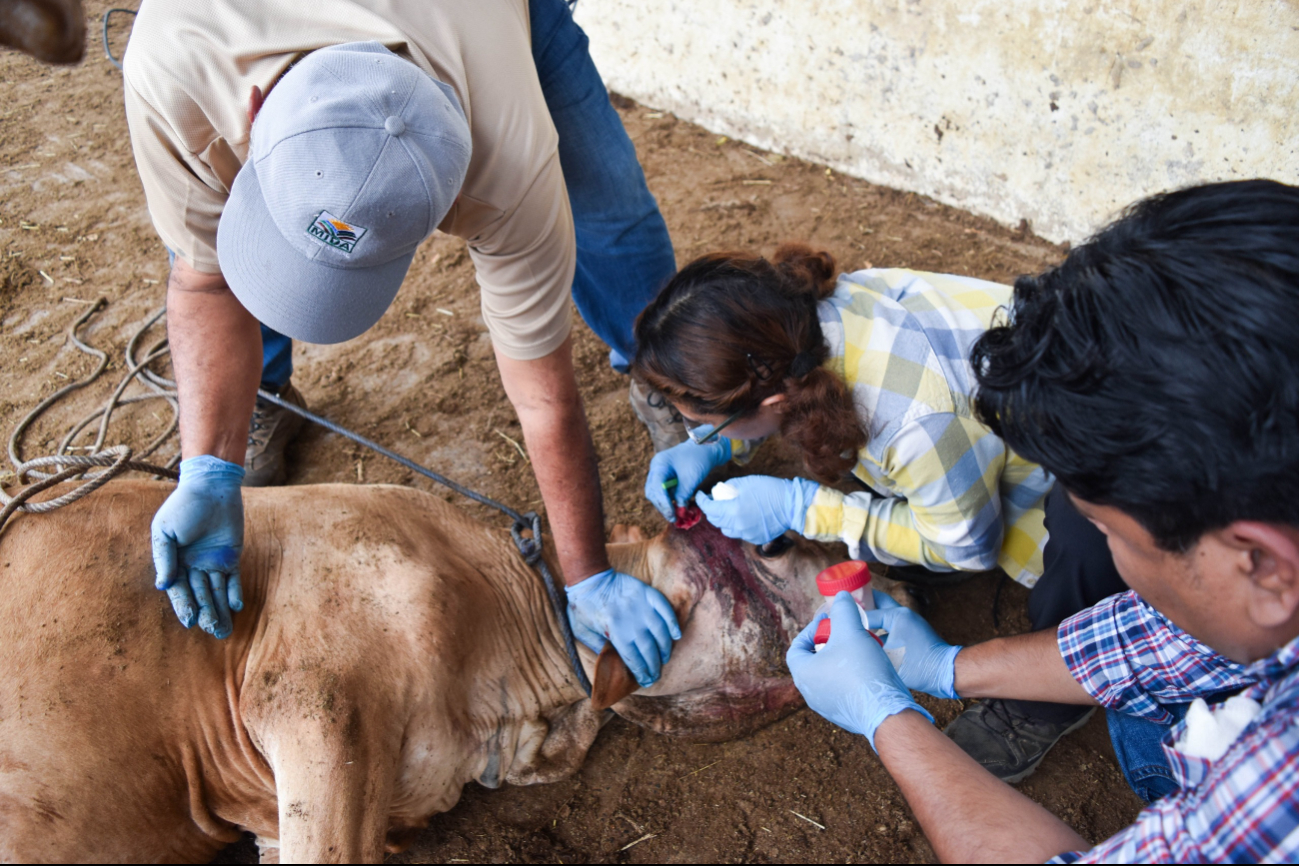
point(356, 156)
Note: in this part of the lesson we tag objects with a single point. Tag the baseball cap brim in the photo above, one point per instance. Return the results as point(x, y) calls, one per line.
point(300, 298)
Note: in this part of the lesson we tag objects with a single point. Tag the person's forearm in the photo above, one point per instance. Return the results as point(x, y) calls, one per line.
point(886, 527)
point(544, 394)
point(563, 458)
point(1027, 667)
point(968, 815)
point(216, 352)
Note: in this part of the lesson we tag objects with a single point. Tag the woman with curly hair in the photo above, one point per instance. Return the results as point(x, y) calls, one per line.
point(868, 376)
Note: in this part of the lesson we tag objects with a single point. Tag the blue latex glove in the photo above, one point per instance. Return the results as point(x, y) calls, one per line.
point(198, 535)
point(850, 682)
point(688, 464)
point(928, 663)
point(635, 617)
point(763, 509)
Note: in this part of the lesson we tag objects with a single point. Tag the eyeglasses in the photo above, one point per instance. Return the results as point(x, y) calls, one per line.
point(702, 434)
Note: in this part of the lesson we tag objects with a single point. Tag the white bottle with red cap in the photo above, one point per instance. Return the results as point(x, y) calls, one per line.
point(854, 578)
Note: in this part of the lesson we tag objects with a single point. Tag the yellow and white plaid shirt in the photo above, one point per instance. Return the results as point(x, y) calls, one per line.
point(949, 495)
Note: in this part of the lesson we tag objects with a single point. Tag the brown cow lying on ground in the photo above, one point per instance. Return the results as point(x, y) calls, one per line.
point(391, 649)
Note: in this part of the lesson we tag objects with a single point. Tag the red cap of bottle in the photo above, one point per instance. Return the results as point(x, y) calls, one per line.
point(847, 576)
point(823, 634)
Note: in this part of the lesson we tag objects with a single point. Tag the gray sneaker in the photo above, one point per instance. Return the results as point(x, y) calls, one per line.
point(271, 430)
point(1006, 740)
point(656, 413)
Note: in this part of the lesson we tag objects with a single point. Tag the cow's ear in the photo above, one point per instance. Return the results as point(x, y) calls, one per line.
point(613, 681)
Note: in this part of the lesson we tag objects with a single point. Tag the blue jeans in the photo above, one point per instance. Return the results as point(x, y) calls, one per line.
point(1141, 757)
point(624, 254)
point(277, 360)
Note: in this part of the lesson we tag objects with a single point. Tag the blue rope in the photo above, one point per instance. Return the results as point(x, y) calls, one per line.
point(107, 51)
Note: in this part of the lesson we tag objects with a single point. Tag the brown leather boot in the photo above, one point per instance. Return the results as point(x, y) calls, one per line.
point(656, 413)
point(270, 432)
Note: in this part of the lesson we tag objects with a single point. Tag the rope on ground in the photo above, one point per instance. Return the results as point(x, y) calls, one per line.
point(115, 460)
point(120, 458)
point(108, 52)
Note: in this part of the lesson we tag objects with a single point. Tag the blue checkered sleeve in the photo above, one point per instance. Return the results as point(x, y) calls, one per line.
point(1130, 658)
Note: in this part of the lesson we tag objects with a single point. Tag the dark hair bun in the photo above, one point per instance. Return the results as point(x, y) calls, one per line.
point(807, 270)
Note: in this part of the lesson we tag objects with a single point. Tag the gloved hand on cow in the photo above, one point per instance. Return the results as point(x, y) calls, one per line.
point(851, 681)
point(762, 508)
point(612, 607)
point(675, 474)
point(198, 536)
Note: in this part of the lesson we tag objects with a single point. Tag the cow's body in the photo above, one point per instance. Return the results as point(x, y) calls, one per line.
point(391, 649)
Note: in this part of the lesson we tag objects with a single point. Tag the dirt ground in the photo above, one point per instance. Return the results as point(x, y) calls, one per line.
point(73, 227)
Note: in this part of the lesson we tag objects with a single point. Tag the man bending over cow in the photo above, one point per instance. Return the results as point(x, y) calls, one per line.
point(295, 155)
point(1156, 375)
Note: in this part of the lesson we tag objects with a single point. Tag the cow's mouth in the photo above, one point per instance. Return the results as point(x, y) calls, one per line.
point(737, 708)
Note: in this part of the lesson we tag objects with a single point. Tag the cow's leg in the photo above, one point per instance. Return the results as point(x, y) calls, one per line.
point(334, 772)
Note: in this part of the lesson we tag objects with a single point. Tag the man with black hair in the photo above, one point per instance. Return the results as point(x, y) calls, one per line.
point(1156, 374)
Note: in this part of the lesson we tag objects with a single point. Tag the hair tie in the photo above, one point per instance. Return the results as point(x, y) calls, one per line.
point(802, 364)
point(761, 369)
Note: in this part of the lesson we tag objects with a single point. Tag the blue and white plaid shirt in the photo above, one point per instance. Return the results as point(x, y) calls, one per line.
point(1243, 807)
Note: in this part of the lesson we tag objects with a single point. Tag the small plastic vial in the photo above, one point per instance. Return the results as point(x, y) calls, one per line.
point(855, 578)
point(852, 577)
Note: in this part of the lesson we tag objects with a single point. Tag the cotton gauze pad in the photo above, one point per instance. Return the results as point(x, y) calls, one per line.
point(723, 491)
point(1209, 733)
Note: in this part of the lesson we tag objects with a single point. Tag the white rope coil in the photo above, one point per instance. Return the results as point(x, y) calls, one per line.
point(117, 459)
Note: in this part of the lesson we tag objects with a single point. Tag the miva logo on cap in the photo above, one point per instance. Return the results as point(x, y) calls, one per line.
point(333, 232)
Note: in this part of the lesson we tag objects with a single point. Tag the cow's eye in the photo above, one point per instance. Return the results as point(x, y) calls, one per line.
point(778, 546)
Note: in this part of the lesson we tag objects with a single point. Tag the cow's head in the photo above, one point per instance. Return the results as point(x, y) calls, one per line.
point(739, 607)
point(50, 30)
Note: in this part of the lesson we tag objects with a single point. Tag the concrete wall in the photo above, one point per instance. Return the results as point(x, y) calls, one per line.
point(1055, 111)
